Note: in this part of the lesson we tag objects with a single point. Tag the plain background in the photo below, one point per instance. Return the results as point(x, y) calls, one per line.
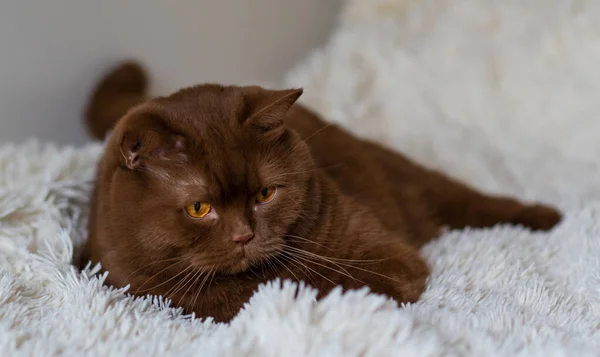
point(52, 52)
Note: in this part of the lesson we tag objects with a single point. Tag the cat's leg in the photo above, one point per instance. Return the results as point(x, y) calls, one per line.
point(458, 206)
point(455, 204)
point(396, 270)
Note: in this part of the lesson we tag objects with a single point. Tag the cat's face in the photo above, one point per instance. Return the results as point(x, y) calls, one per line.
point(211, 176)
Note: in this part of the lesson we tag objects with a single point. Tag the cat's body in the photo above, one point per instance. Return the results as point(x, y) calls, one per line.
point(345, 212)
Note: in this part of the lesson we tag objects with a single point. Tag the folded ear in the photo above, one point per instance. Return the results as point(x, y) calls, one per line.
point(144, 138)
point(266, 108)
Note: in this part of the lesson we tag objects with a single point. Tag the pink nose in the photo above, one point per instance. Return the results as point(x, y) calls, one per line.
point(243, 238)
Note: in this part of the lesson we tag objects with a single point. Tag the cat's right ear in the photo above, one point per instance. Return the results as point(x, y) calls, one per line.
point(267, 108)
point(144, 138)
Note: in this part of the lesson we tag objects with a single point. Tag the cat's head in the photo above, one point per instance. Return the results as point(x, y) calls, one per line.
point(210, 175)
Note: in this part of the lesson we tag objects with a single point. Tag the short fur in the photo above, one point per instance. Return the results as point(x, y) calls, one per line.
point(347, 211)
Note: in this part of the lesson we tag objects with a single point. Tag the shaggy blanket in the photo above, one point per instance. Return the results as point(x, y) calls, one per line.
point(501, 94)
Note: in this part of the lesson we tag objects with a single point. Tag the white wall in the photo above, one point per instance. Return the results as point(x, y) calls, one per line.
point(52, 51)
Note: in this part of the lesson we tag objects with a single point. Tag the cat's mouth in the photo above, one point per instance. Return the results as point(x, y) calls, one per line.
point(241, 259)
point(239, 266)
point(246, 257)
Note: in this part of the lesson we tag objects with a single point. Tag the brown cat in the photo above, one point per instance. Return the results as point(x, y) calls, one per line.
point(205, 194)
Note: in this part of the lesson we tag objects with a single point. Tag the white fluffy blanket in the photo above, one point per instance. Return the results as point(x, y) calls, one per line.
point(502, 94)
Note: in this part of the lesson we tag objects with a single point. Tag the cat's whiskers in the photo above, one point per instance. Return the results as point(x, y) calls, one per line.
point(314, 255)
point(317, 132)
point(182, 283)
point(302, 268)
point(252, 270)
point(306, 257)
point(278, 261)
point(309, 272)
point(305, 270)
point(352, 266)
point(205, 280)
point(139, 289)
point(214, 272)
point(294, 258)
point(193, 281)
point(187, 274)
point(180, 260)
point(150, 264)
point(307, 241)
point(271, 266)
point(210, 273)
point(365, 261)
point(275, 177)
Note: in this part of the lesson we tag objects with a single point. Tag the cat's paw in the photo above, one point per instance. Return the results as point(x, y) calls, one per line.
point(406, 279)
point(539, 217)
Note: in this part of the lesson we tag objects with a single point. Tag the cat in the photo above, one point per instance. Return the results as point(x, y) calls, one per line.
point(204, 194)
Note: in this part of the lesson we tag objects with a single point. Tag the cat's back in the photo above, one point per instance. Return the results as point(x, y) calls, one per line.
point(386, 182)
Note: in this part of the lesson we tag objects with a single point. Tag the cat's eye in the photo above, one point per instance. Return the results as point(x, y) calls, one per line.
point(266, 194)
point(198, 209)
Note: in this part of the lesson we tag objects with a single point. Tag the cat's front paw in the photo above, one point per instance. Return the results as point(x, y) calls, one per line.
point(404, 279)
point(539, 217)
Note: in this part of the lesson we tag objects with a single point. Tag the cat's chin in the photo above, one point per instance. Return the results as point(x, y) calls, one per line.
point(237, 266)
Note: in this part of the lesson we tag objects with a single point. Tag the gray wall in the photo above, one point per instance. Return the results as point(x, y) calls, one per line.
point(52, 51)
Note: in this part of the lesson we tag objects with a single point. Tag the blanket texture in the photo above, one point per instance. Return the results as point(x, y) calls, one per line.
point(501, 94)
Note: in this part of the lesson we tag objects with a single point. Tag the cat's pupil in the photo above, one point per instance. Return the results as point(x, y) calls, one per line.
point(264, 192)
point(197, 206)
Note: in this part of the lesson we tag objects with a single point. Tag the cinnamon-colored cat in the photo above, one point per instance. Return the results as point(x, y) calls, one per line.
point(205, 194)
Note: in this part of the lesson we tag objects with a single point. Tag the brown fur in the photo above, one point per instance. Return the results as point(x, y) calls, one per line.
point(347, 212)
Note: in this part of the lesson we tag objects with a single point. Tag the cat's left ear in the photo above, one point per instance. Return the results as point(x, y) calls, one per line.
point(145, 140)
point(267, 108)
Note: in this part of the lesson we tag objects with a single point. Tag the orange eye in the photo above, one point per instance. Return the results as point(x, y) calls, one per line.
point(198, 209)
point(266, 194)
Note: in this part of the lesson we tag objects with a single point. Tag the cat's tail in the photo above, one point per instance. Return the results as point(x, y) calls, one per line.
point(118, 91)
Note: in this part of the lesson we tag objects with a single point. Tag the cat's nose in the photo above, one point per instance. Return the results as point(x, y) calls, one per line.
point(243, 238)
